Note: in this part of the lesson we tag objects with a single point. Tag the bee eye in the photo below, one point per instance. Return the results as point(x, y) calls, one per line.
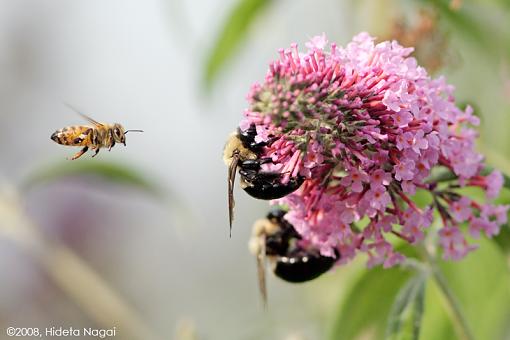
point(116, 132)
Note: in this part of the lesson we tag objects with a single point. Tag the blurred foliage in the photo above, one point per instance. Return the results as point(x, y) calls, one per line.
point(503, 238)
point(233, 33)
point(394, 299)
point(114, 173)
point(481, 283)
point(368, 303)
point(404, 320)
point(467, 21)
point(460, 17)
point(109, 171)
point(422, 31)
point(97, 299)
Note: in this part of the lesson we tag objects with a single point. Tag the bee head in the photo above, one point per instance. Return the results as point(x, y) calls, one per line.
point(234, 144)
point(118, 133)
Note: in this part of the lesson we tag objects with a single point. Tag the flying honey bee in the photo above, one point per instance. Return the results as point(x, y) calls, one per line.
point(95, 137)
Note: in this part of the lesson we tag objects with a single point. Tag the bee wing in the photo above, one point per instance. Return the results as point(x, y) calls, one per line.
point(87, 118)
point(261, 270)
point(231, 180)
point(94, 122)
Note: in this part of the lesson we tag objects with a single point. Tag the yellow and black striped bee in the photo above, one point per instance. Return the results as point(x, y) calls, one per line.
point(275, 239)
point(243, 152)
point(95, 137)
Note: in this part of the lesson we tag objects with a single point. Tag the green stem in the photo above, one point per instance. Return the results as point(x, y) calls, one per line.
point(458, 317)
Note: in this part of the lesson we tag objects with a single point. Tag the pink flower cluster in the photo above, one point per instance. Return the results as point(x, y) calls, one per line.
point(365, 126)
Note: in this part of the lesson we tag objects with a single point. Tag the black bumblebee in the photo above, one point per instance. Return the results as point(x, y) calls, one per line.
point(243, 152)
point(276, 239)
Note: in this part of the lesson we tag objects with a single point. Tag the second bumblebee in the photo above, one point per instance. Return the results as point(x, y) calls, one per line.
point(275, 239)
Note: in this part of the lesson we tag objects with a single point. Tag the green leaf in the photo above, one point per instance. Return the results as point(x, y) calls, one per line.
point(109, 171)
point(436, 323)
point(503, 239)
point(404, 320)
point(419, 308)
point(368, 303)
point(441, 174)
point(481, 285)
point(234, 31)
point(506, 184)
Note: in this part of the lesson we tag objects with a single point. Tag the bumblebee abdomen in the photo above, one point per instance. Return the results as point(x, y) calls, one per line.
point(302, 268)
point(268, 186)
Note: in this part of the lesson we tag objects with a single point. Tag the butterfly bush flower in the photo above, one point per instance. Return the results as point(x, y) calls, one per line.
point(365, 126)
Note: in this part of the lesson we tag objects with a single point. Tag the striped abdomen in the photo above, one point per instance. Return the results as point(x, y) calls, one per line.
point(76, 136)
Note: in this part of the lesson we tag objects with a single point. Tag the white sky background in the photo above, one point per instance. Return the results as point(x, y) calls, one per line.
point(140, 63)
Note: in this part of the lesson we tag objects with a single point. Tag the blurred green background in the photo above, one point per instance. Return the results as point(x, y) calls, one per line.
point(137, 239)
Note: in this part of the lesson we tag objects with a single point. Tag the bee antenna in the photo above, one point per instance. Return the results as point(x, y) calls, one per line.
point(132, 131)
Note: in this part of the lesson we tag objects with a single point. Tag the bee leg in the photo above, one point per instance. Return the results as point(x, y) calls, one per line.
point(80, 153)
point(97, 151)
point(111, 146)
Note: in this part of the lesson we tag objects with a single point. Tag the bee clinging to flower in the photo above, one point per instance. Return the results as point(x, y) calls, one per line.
point(291, 258)
point(95, 137)
point(244, 154)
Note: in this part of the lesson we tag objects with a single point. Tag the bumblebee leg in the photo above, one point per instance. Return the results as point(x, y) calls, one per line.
point(97, 151)
point(80, 153)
